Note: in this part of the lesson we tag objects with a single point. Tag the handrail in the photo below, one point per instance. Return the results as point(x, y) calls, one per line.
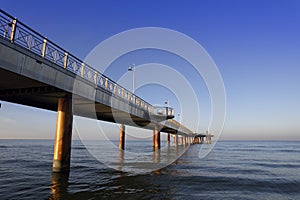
point(19, 33)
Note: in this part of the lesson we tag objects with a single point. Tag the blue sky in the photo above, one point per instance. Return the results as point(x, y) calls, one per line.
point(255, 44)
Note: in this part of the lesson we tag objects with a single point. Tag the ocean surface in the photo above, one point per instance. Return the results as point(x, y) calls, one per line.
point(233, 170)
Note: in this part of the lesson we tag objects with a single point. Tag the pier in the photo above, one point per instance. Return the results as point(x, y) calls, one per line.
point(36, 72)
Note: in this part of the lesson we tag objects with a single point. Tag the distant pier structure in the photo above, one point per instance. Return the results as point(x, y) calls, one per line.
point(199, 138)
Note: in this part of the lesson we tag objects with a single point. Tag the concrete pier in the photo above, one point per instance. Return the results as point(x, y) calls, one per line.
point(201, 140)
point(196, 140)
point(44, 76)
point(168, 138)
point(208, 138)
point(176, 139)
point(122, 137)
point(63, 138)
point(156, 138)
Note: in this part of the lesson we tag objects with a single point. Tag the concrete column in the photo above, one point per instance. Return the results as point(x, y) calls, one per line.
point(195, 140)
point(181, 140)
point(176, 139)
point(168, 138)
point(156, 138)
point(63, 138)
point(208, 139)
point(122, 137)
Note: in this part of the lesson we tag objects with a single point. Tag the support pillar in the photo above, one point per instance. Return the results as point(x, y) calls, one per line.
point(63, 137)
point(208, 139)
point(181, 140)
point(156, 138)
point(176, 139)
point(122, 137)
point(168, 138)
point(195, 140)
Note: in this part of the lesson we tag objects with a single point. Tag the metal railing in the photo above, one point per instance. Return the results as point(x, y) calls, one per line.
point(18, 33)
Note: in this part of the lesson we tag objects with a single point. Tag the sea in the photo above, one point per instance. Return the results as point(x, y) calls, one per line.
point(232, 170)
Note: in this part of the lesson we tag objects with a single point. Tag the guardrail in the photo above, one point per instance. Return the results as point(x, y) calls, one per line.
point(18, 33)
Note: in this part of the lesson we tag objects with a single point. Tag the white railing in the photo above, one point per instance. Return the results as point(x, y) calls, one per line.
point(18, 33)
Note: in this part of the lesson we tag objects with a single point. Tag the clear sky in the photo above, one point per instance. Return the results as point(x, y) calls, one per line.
point(255, 44)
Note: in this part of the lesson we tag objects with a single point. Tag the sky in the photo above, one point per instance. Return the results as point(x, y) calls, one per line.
point(254, 44)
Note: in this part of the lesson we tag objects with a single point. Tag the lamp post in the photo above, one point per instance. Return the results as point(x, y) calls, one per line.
point(132, 69)
point(167, 103)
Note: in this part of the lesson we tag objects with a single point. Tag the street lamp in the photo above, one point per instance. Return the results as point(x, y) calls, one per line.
point(167, 103)
point(132, 69)
point(179, 117)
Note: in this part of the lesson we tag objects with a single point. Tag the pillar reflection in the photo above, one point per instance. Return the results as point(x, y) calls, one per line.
point(59, 185)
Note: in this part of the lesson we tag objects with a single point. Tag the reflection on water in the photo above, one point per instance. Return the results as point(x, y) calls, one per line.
point(156, 156)
point(59, 185)
point(144, 162)
point(124, 183)
point(137, 159)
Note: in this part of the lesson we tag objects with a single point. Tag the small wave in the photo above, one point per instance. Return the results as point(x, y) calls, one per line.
point(289, 150)
point(277, 165)
point(80, 148)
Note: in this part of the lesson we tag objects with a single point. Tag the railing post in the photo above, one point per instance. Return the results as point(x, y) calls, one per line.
point(66, 60)
point(115, 88)
point(44, 47)
point(13, 30)
point(82, 70)
point(106, 83)
point(134, 99)
point(29, 42)
point(128, 96)
point(95, 77)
